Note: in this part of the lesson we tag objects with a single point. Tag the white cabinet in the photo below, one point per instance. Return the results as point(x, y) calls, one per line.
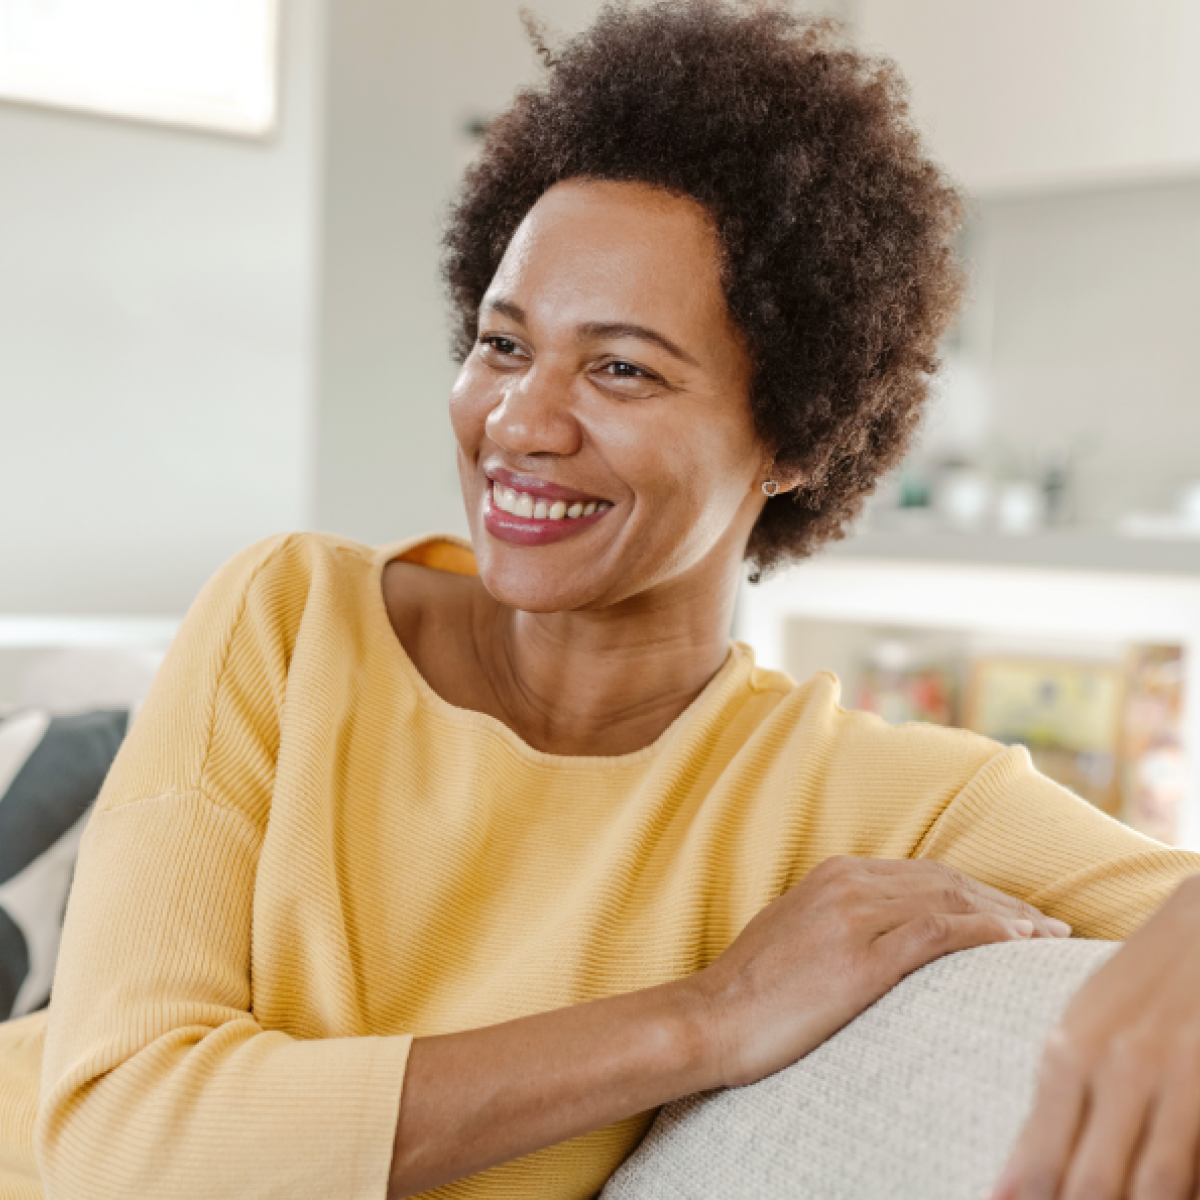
point(1020, 95)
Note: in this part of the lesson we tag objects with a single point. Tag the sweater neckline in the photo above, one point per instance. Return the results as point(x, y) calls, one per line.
point(733, 675)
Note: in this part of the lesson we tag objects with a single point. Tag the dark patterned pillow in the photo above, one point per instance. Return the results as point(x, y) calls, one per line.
point(51, 769)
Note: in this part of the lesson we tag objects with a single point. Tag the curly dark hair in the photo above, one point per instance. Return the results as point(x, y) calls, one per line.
point(838, 230)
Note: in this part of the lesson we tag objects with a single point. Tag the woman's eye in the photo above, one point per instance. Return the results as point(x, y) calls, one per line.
point(626, 370)
point(501, 345)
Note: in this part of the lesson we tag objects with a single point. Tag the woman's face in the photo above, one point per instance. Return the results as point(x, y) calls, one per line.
point(605, 439)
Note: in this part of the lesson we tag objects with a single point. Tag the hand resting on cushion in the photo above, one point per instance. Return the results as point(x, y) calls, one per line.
point(830, 947)
point(801, 969)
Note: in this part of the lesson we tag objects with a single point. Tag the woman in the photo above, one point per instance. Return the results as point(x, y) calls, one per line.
point(441, 867)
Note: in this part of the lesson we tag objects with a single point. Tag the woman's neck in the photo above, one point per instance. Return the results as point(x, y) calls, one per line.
point(602, 683)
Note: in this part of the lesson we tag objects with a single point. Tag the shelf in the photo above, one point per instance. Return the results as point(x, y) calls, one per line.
point(1069, 588)
point(1078, 550)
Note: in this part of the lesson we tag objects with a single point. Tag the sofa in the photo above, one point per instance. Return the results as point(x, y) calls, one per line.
point(920, 1098)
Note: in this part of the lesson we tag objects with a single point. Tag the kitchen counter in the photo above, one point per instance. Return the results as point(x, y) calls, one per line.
point(1070, 549)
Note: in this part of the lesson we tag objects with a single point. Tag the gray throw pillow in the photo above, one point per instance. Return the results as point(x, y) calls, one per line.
point(920, 1098)
point(51, 769)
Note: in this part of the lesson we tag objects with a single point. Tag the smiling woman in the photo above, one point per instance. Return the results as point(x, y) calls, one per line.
point(443, 865)
point(608, 371)
point(834, 232)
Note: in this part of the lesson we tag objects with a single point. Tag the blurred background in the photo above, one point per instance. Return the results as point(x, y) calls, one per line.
point(220, 318)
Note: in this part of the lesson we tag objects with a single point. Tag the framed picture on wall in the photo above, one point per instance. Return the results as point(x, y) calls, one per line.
point(1068, 714)
point(208, 64)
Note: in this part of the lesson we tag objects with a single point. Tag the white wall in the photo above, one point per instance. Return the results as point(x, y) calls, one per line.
point(156, 291)
point(403, 79)
point(1076, 125)
point(171, 387)
point(1094, 308)
point(1023, 94)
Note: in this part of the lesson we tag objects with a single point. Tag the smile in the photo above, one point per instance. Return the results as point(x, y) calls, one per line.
point(537, 508)
point(526, 511)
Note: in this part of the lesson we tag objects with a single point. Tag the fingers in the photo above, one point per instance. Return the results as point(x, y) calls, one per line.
point(932, 935)
point(961, 893)
point(1167, 1168)
point(946, 895)
point(1045, 925)
point(1099, 1133)
point(1117, 1112)
point(1119, 1100)
point(1044, 1146)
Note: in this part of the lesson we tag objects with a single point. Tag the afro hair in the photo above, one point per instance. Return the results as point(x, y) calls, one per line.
point(838, 230)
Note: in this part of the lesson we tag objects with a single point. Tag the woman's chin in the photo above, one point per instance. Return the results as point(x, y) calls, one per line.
point(547, 578)
point(542, 566)
point(540, 602)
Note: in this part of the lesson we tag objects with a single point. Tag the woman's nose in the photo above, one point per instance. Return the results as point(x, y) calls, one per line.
point(536, 415)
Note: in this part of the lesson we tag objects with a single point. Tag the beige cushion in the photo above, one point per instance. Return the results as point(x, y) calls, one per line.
point(919, 1099)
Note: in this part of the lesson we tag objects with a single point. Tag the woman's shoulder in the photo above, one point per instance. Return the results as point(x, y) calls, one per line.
point(273, 583)
point(819, 737)
point(285, 557)
point(211, 723)
point(332, 591)
point(859, 744)
point(856, 783)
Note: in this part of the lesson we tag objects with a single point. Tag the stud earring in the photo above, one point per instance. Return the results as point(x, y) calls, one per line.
point(770, 487)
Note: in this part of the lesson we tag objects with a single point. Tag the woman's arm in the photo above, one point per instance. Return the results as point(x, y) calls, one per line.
point(159, 1078)
point(805, 966)
point(475, 1099)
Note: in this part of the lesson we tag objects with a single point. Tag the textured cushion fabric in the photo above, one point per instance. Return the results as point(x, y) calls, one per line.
point(51, 769)
point(920, 1098)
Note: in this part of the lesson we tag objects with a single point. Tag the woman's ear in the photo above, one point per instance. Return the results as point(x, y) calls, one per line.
point(787, 479)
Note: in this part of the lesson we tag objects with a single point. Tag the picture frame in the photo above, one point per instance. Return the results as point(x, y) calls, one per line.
point(201, 64)
point(1068, 713)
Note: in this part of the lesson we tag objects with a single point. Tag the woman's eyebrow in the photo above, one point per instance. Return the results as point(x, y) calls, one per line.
point(506, 308)
point(598, 329)
point(619, 329)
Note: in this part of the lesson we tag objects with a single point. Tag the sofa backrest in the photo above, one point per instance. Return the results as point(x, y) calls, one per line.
point(920, 1098)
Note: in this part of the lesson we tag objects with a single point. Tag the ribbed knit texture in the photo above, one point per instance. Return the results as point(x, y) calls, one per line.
point(303, 857)
point(921, 1098)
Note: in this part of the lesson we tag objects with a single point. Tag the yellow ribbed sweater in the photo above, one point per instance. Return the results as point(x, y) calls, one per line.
point(303, 857)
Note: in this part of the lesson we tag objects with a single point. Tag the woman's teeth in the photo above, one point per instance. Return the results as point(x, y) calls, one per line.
point(521, 504)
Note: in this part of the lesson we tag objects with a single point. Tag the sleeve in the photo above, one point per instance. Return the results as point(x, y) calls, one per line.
point(1013, 828)
point(157, 1080)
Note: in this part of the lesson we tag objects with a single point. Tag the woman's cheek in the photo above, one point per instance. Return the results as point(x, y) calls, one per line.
point(698, 508)
point(470, 403)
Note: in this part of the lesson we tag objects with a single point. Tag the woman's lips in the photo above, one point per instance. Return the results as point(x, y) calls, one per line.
point(536, 530)
point(539, 489)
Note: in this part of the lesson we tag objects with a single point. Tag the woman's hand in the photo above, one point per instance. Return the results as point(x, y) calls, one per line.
point(830, 947)
point(1117, 1113)
point(807, 964)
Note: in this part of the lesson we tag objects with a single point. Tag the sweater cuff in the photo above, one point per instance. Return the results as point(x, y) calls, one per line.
point(337, 1103)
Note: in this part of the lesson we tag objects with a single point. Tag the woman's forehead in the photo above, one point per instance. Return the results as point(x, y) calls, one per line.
point(633, 247)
